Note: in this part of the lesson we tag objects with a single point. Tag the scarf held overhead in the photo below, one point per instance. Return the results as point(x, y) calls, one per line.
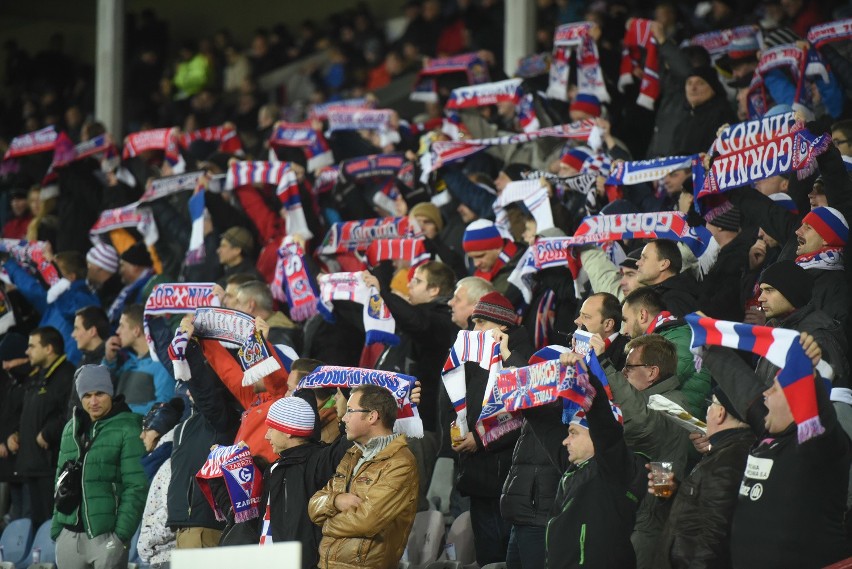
point(408, 417)
point(544, 383)
point(379, 324)
point(243, 480)
point(292, 281)
point(575, 39)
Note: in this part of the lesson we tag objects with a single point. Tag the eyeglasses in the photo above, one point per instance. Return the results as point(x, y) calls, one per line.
point(628, 367)
point(348, 410)
point(839, 141)
point(711, 401)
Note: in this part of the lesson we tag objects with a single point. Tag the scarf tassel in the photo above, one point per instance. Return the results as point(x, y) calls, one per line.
point(260, 370)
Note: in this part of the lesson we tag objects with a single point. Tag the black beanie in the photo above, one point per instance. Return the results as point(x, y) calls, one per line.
point(710, 75)
point(791, 280)
point(726, 402)
point(515, 170)
point(138, 255)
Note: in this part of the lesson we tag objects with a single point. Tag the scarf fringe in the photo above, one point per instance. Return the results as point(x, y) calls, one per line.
point(181, 369)
point(498, 426)
point(809, 429)
point(57, 289)
point(258, 371)
point(409, 426)
point(381, 337)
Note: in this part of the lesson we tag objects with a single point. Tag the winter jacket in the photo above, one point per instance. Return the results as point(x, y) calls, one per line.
point(45, 396)
point(79, 204)
point(142, 381)
point(289, 484)
point(695, 385)
point(786, 483)
point(431, 329)
point(698, 532)
point(604, 276)
point(374, 534)
point(719, 295)
point(671, 109)
point(59, 313)
point(831, 293)
point(596, 502)
point(114, 484)
point(530, 488)
point(828, 335)
point(697, 130)
point(679, 293)
point(12, 385)
point(483, 473)
point(156, 539)
point(108, 291)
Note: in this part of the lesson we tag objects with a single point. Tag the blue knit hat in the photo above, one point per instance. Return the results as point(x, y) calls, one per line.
point(481, 235)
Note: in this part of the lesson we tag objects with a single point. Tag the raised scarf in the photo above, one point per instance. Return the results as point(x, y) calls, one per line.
point(533, 194)
point(196, 251)
point(66, 152)
point(473, 96)
point(640, 171)
point(826, 259)
point(426, 85)
point(823, 34)
point(568, 39)
point(446, 152)
point(379, 324)
point(320, 111)
point(527, 115)
point(243, 480)
point(795, 151)
point(129, 216)
point(292, 281)
point(739, 136)
point(284, 178)
point(226, 136)
point(302, 135)
point(165, 139)
point(800, 62)
point(717, 43)
point(638, 37)
point(158, 188)
point(782, 348)
point(347, 236)
point(542, 384)
point(35, 142)
point(175, 298)
point(30, 255)
point(408, 417)
point(410, 249)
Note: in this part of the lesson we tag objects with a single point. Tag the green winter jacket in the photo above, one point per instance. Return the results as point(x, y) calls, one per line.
point(114, 484)
point(695, 385)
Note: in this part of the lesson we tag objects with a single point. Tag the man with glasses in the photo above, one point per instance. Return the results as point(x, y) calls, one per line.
point(841, 136)
point(367, 508)
point(698, 530)
point(650, 370)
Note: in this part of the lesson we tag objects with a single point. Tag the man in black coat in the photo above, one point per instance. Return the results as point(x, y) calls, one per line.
point(659, 266)
point(720, 288)
point(426, 319)
point(698, 531)
point(16, 369)
point(36, 439)
point(483, 471)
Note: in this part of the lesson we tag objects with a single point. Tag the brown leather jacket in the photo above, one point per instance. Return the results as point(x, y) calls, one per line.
point(374, 534)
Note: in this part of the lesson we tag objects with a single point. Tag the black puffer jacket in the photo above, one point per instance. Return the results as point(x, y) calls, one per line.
point(680, 294)
point(720, 290)
point(11, 404)
point(533, 478)
point(698, 532)
point(290, 483)
point(483, 473)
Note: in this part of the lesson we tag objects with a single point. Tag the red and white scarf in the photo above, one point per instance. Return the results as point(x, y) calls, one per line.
point(320, 111)
point(378, 321)
point(292, 281)
point(533, 194)
point(243, 480)
point(662, 318)
point(284, 178)
point(35, 142)
point(348, 236)
point(129, 216)
point(31, 255)
point(568, 38)
point(473, 96)
point(637, 38)
point(426, 85)
point(165, 139)
point(158, 188)
point(823, 34)
point(302, 135)
point(717, 43)
point(410, 249)
point(506, 255)
point(226, 136)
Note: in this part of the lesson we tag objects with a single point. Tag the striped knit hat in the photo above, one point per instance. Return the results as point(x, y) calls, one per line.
point(496, 308)
point(785, 201)
point(830, 224)
point(586, 103)
point(481, 235)
point(103, 256)
point(576, 157)
point(291, 415)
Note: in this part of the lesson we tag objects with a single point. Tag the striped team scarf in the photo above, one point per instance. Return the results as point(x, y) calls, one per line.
point(426, 85)
point(35, 142)
point(129, 216)
point(283, 177)
point(534, 197)
point(320, 111)
point(659, 225)
point(325, 179)
point(640, 171)
point(527, 116)
point(243, 480)
point(165, 139)
point(736, 137)
point(542, 384)
point(302, 135)
point(826, 259)
point(782, 348)
point(795, 151)
point(581, 183)
point(196, 252)
point(824, 34)
point(175, 298)
point(226, 136)
point(31, 256)
point(470, 346)
point(379, 325)
point(408, 419)
point(638, 37)
point(718, 42)
point(384, 169)
point(485, 94)
point(66, 153)
point(567, 39)
point(234, 327)
point(348, 236)
point(412, 250)
point(446, 152)
point(360, 119)
point(157, 188)
point(802, 63)
point(292, 281)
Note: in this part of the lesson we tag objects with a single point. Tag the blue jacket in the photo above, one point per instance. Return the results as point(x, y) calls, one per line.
point(142, 381)
point(59, 313)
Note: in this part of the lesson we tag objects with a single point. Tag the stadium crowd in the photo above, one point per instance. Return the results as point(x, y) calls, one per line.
point(610, 288)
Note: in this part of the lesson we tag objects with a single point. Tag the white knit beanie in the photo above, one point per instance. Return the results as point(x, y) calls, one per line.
point(291, 415)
